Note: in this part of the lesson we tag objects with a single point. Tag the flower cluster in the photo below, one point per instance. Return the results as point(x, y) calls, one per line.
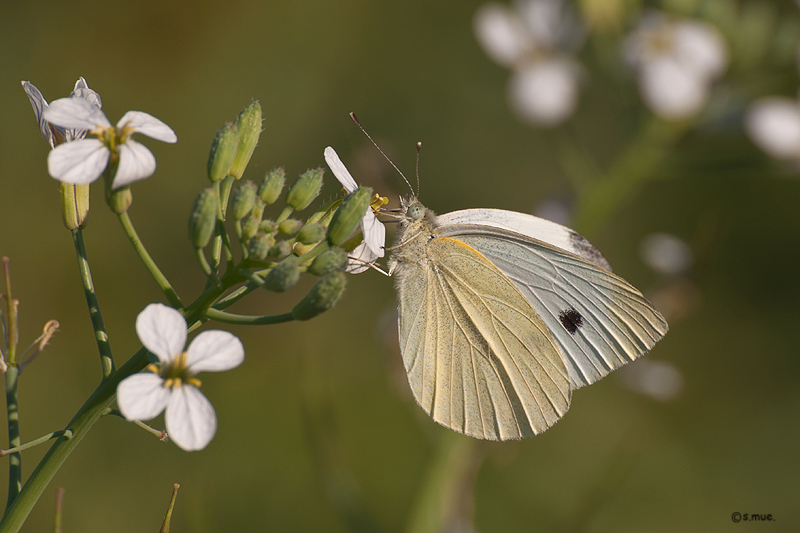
point(676, 62)
point(536, 40)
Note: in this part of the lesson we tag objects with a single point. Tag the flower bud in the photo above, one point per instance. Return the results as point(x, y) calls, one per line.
point(203, 218)
point(250, 225)
point(347, 218)
point(305, 189)
point(328, 261)
point(259, 246)
point(258, 208)
point(321, 297)
point(283, 276)
point(279, 250)
point(243, 199)
point(268, 226)
point(119, 200)
point(290, 227)
point(272, 186)
point(248, 124)
point(74, 205)
point(223, 150)
point(311, 233)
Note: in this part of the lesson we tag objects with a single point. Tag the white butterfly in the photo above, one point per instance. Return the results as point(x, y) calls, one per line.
point(502, 315)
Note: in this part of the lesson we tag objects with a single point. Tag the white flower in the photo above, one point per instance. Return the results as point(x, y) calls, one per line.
point(774, 126)
point(536, 40)
point(190, 419)
point(676, 63)
point(83, 161)
point(372, 229)
point(55, 134)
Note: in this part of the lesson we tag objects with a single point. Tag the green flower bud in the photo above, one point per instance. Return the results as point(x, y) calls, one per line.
point(311, 233)
point(223, 150)
point(248, 124)
point(283, 276)
point(259, 246)
point(249, 227)
point(305, 189)
point(119, 200)
point(258, 208)
point(348, 217)
point(74, 205)
point(321, 297)
point(272, 186)
point(290, 227)
point(203, 218)
point(279, 250)
point(243, 199)
point(328, 261)
point(268, 226)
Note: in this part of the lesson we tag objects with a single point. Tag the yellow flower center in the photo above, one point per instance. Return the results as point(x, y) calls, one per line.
point(175, 374)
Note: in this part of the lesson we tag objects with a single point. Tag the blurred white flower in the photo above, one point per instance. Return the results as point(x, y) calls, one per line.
point(83, 161)
point(535, 39)
point(773, 124)
point(666, 254)
point(676, 63)
point(52, 133)
point(190, 419)
point(660, 380)
point(372, 229)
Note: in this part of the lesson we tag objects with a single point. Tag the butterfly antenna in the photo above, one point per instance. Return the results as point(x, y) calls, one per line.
point(419, 147)
point(353, 116)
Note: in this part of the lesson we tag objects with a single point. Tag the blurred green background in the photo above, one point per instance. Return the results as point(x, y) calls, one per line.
point(317, 430)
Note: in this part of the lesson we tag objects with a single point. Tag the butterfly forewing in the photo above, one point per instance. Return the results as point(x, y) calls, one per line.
point(598, 320)
point(479, 358)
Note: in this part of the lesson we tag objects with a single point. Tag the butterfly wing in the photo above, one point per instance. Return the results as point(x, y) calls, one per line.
point(534, 227)
point(478, 357)
point(598, 320)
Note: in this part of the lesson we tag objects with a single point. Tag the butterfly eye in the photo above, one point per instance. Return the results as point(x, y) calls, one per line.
point(415, 211)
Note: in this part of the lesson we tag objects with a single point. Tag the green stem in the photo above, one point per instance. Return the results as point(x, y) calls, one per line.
point(235, 296)
point(53, 435)
point(101, 336)
point(203, 262)
point(14, 440)
point(81, 423)
point(151, 266)
point(246, 320)
point(602, 197)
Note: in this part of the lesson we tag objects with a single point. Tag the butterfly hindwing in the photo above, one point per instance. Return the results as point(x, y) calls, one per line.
point(598, 320)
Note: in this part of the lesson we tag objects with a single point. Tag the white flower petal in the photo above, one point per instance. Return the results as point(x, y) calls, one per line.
point(666, 253)
point(82, 90)
point(545, 92)
point(149, 125)
point(339, 170)
point(136, 163)
point(162, 330)
point(774, 125)
point(500, 33)
point(78, 162)
point(374, 233)
point(213, 351)
point(39, 104)
point(77, 113)
point(142, 396)
point(191, 421)
point(670, 90)
point(359, 259)
point(700, 46)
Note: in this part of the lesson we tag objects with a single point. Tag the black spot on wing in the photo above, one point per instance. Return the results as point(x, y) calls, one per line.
point(571, 320)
